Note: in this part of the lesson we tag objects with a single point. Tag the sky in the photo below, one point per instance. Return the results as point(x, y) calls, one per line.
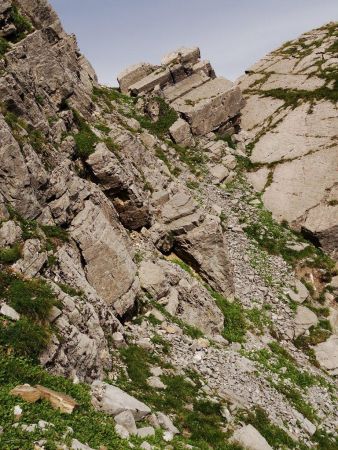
point(232, 34)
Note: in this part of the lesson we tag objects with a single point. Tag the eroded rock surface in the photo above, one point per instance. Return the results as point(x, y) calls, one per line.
point(291, 114)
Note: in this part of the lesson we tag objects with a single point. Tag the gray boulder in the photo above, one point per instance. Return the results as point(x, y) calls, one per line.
point(112, 400)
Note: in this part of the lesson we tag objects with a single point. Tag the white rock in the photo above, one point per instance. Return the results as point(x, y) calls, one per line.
point(304, 320)
point(250, 438)
point(126, 419)
point(166, 423)
point(113, 400)
point(156, 383)
point(121, 431)
point(145, 432)
point(9, 312)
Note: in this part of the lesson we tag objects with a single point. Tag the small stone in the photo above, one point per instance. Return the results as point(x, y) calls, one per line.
point(156, 371)
point(126, 419)
point(26, 392)
point(17, 412)
point(145, 432)
point(168, 436)
point(121, 431)
point(166, 423)
point(146, 446)
point(156, 383)
point(118, 339)
point(9, 312)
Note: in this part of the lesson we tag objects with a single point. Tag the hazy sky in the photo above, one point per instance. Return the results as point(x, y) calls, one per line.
point(232, 34)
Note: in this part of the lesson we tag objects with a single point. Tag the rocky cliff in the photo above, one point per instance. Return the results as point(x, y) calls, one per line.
point(291, 115)
point(147, 297)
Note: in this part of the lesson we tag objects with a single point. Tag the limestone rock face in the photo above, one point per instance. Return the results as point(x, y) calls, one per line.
point(291, 114)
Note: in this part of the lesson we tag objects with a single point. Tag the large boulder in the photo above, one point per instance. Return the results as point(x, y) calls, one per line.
point(305, 319)
point(204, 248)
point(327, 354)
point(112, 400)
point(211, 105)
point(109, 265)
point(250, 439)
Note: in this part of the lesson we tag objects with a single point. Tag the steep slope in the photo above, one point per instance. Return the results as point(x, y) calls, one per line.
point(292, 117)
point(133, 261)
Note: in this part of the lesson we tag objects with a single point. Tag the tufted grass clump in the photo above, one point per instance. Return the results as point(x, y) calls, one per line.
point(33, 300)
point(235, 325)
point(167, 117)
point(22, 24)
point(55, 232)
point(4, 46)
point(85, 139)
point(10, 255)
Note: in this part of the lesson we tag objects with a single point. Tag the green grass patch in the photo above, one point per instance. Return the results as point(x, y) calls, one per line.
point(33, 300)
point(55, 232)
point(10, 255)
point(22, 24)
point(227, 139)
point(85, 139)
point(235, 325)
point(195, 159)
point(4, 46)
point(189, 330)
point(167, 117)
point(292, 97)
point(274, 237)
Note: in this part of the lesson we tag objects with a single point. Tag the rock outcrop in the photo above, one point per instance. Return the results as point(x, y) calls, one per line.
point(190, 86)
point(291, 115)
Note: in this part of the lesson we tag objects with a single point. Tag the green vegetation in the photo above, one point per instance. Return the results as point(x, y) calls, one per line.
point(70, 290)
point(33, 300)
point(109, 95)
point(292, 97)
point(333, 48)
point(226, 138)
point(4, 46)
point(274, 237)
point(201, 425)
point(195, 159)
point(163, 343)
point(167, 116)
point(163, 157)
point(183, 266)
point(95, 428)
point(235, 325)
point(258, 318)
point(292, 379)
point(22, 24)
point(275, 358)
point(85, 139)
point(192, 184)
point(317, 334)
point(189, 330)
point(10, 255)
point(55, 232)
